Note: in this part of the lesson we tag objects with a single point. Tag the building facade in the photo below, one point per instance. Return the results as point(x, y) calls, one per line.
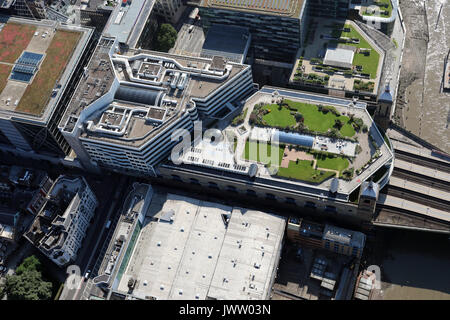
point(338, 240)
point(276, 33)
point(169, 9)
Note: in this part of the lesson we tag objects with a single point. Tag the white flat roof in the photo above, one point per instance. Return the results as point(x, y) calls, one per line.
point(339, 57)
point(189, 258)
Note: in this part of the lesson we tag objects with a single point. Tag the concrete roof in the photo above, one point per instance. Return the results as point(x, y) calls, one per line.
point(127, 20)
point(230, 42)
point(190, 257)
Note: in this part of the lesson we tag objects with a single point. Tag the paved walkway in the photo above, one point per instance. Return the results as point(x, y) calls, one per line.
point(293, 155)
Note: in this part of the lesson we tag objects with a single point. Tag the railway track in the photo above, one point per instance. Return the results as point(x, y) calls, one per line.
point(421, 178)
point(425, 199)
point(422, 161)
point(402, 218)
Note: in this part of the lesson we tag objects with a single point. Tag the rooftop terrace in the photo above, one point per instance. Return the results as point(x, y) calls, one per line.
point(139, 91)
point(305, 160)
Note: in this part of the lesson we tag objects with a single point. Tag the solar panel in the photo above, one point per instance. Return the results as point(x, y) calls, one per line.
point(30, 58)
point(26, 77)
point(24, 69)
point(26, 66)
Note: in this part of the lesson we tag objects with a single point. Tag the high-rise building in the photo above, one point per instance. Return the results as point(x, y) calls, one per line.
point(277, 27)
point(37, 79)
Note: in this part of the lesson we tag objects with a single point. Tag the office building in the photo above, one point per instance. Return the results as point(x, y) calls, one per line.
point(38, 74)
point(278, 28)
point(125, 110)
point(197, 250)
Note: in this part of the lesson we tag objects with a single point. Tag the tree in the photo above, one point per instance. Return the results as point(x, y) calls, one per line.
point(338, 124)
point(166, 37)
point(27, 282)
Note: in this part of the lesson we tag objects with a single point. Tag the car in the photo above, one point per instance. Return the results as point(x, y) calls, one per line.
point(87, 275)
point(2, 269)
point(190, 29)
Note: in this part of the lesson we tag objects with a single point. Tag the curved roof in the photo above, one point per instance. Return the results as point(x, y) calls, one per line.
point(144, 96)
point(293, 138)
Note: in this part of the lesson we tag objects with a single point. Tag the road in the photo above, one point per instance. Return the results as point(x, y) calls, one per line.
point(189, 43)
point(97, 235)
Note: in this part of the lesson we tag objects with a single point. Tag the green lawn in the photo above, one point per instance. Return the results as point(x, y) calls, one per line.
point(315, 120)
point(259, 157)
point(303, 170)
point(280, 118)
point(38, 93)
point(337, 163)
point(369, 63)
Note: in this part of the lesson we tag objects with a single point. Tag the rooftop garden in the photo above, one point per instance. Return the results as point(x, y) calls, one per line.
point(385, 8)
point(309, 78)
point(307, 118)
point(37, 94)
point(366, 56)
point(304, 170)
point(325, 165)
point(259, 157)
point(14, 38)
point(364, 64)
point(359, 85)
point(240, 118)
point(5, 71)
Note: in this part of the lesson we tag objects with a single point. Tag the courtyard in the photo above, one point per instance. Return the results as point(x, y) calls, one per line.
point(356, 63)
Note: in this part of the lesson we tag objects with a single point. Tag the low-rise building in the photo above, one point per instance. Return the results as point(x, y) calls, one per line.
point(339, 240)
point(196, 250)
point(59, 228)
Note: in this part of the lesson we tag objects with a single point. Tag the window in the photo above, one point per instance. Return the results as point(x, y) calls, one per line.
point(270, 196)
point(175, 177)
point(194, 181)
point(290, 200)
point(232, 189)
point(213, 185)
point(251, 192)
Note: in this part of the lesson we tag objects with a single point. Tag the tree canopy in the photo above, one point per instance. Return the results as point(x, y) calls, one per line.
point(27, 282)
point(167, 35)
